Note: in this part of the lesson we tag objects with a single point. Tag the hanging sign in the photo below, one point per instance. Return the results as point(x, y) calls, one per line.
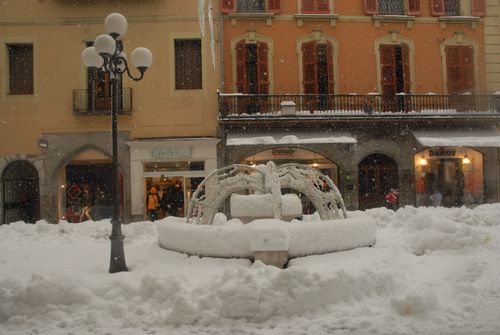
point(172, 152)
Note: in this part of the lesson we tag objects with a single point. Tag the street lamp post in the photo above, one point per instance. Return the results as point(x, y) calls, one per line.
point(107, 55)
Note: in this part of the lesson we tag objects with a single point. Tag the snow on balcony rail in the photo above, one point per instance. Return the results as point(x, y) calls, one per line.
point(241, 105)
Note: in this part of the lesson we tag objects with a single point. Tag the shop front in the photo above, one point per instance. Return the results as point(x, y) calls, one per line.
point(172, 170)
point(457, 167)
point(449, 177)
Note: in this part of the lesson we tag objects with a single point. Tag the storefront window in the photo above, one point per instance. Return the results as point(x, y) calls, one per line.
point(449, 177)
point(175, 183)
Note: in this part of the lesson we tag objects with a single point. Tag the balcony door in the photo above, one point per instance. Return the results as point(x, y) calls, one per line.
point(318, 78)
point(100, 88)
point(394, 75)
point(252, 75)
point(460, 79)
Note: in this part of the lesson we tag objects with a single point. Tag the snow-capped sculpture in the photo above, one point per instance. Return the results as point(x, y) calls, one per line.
point(266, 179)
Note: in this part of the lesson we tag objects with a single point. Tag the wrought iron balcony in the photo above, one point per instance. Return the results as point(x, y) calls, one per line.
point(238, 105)
point(87, 102)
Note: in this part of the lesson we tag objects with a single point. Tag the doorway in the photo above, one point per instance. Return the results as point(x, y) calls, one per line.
point(97, 178)
point(174, 193)
point(377, 174)
point(21, 197)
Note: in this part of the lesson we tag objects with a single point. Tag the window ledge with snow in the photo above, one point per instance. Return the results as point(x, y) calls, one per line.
point(316, 17)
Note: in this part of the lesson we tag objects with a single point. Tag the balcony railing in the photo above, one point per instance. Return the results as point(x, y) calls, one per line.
point(235, 104)
point(87, 102)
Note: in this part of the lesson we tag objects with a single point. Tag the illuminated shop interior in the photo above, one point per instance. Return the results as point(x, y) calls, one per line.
point(456, 172)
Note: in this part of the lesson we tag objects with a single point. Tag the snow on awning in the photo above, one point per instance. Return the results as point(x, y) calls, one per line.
point(458, 138)
point(290, 138)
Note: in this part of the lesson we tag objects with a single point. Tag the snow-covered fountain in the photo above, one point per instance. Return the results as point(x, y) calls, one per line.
point(265, 224)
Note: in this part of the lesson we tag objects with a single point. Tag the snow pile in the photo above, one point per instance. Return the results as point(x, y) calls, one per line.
point(428, 234)
point(416, 303)
point(54, 280)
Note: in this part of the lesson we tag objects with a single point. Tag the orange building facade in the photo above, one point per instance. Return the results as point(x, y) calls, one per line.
point(378, 90)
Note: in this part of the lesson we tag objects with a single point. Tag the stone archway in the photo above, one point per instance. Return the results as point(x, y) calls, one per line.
point(221, 183)
point(20, 194)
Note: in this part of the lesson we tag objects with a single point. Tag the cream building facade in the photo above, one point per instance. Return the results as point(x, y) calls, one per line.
point(55, 127)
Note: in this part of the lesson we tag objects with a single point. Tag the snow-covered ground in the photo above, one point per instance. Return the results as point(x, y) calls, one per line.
point(431, 271)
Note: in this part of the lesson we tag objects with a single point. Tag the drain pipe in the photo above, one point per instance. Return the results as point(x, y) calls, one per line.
point(221, 39)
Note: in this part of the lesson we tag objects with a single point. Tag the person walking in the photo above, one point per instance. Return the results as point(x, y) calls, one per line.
point(86, 197)
point(391, 199)
point(152, 204)
point(436, 198)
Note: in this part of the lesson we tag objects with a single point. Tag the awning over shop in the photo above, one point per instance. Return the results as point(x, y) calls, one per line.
point(489, 137)
point(290, 138)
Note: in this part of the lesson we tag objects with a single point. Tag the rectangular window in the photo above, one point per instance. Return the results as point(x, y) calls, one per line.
point(391, 7)
point(188, 64)
point(452, 7)
point(251, 6)
point(394, 7)
point(20, 69)
point(315, 6)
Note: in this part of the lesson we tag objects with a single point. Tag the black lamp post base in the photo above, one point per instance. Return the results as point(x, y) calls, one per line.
point(117, 263)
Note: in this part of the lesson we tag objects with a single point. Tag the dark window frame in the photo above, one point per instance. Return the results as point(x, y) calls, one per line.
point(21, 74)
point(188, 65)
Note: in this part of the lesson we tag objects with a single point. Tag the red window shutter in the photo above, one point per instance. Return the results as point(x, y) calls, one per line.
point(227, 6)
point(413, 7)
point(468, 68)
point(405, 53)
point(478, 8)
point(274, 6)
point(308, 6)
point(241, 67)
point(323, 6)
point(371, 7)
point(460, 69)
point(453, 80)
point(388, 69)
point(309, 68)
point(262, 68)
point(329, 60)
point(437, 7)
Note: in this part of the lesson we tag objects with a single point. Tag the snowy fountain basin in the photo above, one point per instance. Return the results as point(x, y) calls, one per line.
point(298, 238)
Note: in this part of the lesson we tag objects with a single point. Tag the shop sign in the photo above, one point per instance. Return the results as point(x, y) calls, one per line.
point(442, 153)
point(171, 153)
point(283, 152)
